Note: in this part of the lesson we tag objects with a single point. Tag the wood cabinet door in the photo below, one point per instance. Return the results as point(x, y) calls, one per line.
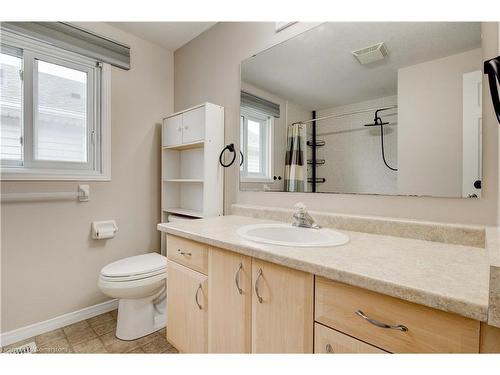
point(329, 341)
point(187, 309)
point(230, 295)
point(172, 131)
point(282, 309)
point(193, 123)
point(490, 339)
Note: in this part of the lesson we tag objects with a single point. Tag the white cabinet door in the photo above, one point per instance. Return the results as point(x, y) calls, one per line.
point(193, 125)
point(172, 131)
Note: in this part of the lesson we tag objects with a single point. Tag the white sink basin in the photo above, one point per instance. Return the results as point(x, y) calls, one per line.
point(288, 235)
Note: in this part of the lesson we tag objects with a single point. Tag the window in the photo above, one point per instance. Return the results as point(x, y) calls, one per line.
point(11, 150)
point(256, 140)
point(54, 113)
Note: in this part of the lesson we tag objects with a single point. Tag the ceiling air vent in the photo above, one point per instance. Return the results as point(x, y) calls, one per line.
point(371, 54)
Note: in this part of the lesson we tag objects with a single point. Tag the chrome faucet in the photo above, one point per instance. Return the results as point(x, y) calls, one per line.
point(302, 218)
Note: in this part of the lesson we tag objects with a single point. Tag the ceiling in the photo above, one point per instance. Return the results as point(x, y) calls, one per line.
point(171, 35)
point(317, 70)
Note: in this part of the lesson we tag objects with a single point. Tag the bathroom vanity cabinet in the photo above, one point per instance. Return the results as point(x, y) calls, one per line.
point(221, 301)
point(232, 318)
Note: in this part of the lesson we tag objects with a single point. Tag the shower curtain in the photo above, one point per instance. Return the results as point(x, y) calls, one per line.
point(294, 159)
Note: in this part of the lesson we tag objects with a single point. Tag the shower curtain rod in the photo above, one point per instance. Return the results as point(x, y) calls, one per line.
point(347, 114)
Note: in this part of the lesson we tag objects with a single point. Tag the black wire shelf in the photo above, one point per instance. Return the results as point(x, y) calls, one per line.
point(318, 161)
point(318, 143)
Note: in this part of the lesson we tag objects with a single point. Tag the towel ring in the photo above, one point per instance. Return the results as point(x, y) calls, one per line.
point(231, 148)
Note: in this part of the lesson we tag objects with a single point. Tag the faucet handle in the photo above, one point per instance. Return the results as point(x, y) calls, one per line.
point(300, 206)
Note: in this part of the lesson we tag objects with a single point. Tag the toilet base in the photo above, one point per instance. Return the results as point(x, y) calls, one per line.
point(138, 317)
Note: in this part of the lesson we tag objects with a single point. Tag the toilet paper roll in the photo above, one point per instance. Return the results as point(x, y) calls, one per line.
point(102, 230)
point(175, 218)
point(105, 234)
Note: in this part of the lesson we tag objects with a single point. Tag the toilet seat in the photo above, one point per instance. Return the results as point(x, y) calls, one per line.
point(142, 276)
point(135, 268)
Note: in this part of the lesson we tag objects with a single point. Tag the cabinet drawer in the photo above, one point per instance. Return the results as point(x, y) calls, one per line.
point(429, 330)
point(327, 340)
point(188, 253)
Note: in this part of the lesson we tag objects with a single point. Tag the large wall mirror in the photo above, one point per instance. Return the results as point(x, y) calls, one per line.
point(389, 108)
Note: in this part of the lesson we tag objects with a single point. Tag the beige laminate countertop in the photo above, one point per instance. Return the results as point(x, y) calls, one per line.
point(447, 277)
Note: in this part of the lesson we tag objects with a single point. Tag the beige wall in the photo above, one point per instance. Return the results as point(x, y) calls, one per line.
point(207, 69)
point(430, 125)
point(49, 263)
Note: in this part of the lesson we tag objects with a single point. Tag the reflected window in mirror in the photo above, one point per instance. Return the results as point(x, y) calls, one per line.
point(256, 140)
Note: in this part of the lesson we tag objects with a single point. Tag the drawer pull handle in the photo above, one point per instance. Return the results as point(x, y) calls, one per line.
point(328, 348)
point(259, 274)
point(183, 253)
point(380, 324)
point(196, 296)
point(237, 279)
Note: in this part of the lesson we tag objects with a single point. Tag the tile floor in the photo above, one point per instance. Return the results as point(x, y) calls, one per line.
point(96, 335)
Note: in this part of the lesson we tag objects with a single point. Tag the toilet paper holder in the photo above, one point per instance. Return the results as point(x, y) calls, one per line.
point(104, 229)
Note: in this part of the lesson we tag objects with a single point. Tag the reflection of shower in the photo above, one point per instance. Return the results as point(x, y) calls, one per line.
point(377, 121)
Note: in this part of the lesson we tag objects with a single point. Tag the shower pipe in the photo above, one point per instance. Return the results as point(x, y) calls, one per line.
point(377, 121)
point(347, 114)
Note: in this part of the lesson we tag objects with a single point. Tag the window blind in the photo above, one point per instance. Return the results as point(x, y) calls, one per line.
point(250, 101)
point(74, 39)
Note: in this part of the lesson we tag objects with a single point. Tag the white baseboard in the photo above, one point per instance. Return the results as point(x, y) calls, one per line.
point(23, 333)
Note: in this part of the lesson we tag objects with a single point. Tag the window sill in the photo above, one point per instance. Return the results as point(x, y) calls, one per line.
point(23, 174)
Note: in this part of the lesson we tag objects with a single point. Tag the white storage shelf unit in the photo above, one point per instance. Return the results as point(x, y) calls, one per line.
point(192, 178)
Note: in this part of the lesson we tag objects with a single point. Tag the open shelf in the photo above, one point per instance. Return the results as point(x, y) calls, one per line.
point(187, 165)
point(184, 211)
point(187, 197)
point(194, 180)
point(185, 146)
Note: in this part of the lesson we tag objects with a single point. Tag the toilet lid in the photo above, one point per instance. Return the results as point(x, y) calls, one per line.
point(136, 265)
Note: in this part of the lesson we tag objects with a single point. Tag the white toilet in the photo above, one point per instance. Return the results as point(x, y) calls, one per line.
point(139, 282)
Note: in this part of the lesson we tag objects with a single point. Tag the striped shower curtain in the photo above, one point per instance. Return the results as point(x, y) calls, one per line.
point(294, 159)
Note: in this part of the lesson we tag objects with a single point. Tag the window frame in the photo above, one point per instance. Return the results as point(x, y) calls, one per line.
point(266, 141)
point(98, 165)
point(18, 53)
